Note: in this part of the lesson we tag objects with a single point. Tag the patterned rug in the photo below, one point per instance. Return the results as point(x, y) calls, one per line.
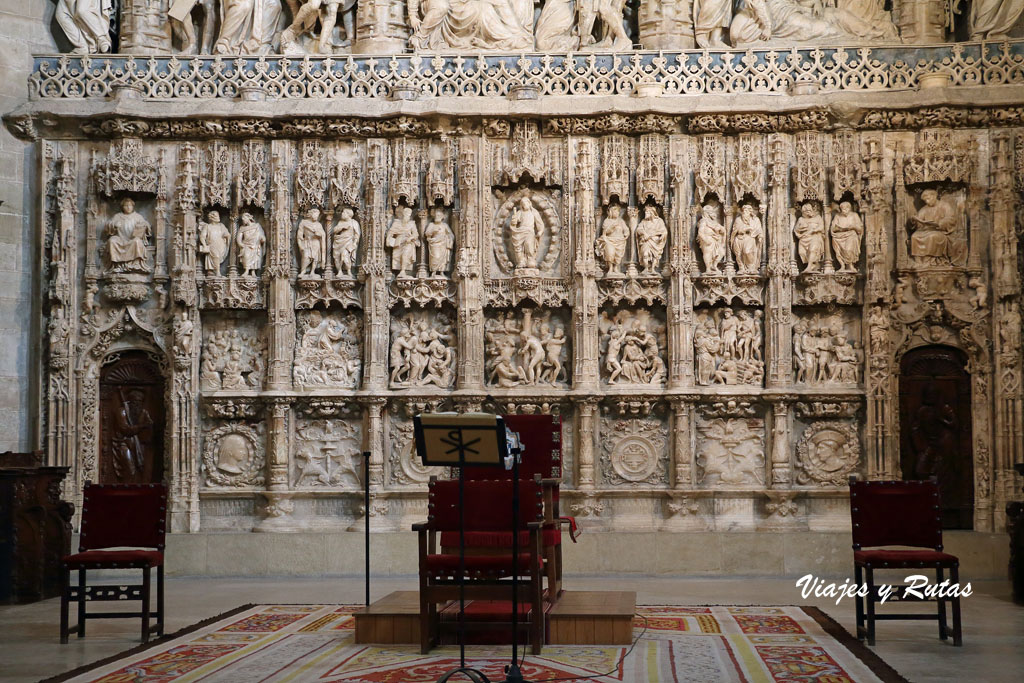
point(680, 644)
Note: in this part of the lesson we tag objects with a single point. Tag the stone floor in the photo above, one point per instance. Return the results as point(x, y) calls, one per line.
point(993, 626)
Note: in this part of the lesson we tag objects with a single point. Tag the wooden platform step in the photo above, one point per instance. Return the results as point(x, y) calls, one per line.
point(578, 618)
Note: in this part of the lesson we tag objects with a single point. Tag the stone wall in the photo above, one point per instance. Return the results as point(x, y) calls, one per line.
point(24, 31)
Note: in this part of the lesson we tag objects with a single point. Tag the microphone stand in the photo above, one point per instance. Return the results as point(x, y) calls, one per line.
point(512, 672)
point(366, 500)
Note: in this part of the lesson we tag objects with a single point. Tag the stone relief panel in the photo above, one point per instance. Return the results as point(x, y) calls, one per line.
point(826, 350)
point(405, 467)
point(528, 348)
point(728, 347)
point(632, 347)
point(634, 452)
point(233, 356)
point(327, 454)
point(827, 453)
point(328, 352)
point(527, 234)
point(730, 452)
point(422, 352)
point(233, 455)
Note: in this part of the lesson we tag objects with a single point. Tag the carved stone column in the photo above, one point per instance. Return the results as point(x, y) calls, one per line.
point(586, 414)
point(280, 308)
point(682, 451)
point(374, 270)
point(277, 443)
point(467, 268)
point(779, 315)
point(781, 470)
point(381, 27)
point(585, 346)
point(680, 288)
point(375, 439)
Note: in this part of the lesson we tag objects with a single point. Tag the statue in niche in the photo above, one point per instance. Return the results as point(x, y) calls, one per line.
point(404, 239)
point(823, 354)
point(230, 361)
point(471, 24)
point(933, 242)
point(132, 436)
point(328, 351)
point(711, 238)
point(250, 241)
point(86, 23)
point(345, 235)
point(801, 21)
point(214, 238)
point(747, 240)
point(128, 240)
point(710, 21)
point(305, 20)
point(247, 27)
point(421, 352)
point(312, 241)
point(809, 229)
point(556, 27)
point(993, 19)
point(184, 328)
point(611, 245)
point(525, 230)
point(531, 353)
point(633, 353)
point(184, 28)
point(611, 34)
point(651, 238)
point(440, 241)
point(728, 348)
point(847, 229)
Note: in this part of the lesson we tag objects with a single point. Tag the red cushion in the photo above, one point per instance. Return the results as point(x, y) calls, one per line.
point(498, 539)
point(111, 559)
point(904, 558)
point(493, 565)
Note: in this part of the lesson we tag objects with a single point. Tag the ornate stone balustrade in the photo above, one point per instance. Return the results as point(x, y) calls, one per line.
point(690, 72)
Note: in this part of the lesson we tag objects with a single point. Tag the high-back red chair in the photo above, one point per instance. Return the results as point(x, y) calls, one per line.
point(541, 437)
point(899, 513)
point(488, 509)
point(123, 527)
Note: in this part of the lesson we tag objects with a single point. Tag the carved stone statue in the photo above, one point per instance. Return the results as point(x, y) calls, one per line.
point(747, 240)
point(305, 20)
point(86, 23)
point(184, 28)
point(520, 355)
point(184, 329)
point(128, 240)
point(214, 238)
point(993, 19)
point(633, 348)
point(611, 245)
point(440, 241)
point(809, 229)
point(555, 31)
point(312, 242)
point(328, 350)
point(250, 241)
point(230, 361)
point(847, 229)
point(933, 241)
point(711, 238)
point(710, 21)
point(822, 354)
point(404, 240)
point(346, 242)
point(525, 230)
point(801, 21)
point(651, 238)
point(421, 352)
point(611, 35)
point(247, 26)
point(471, 24)
point(727, 348)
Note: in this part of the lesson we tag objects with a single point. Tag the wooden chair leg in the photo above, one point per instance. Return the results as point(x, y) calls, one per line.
point(65, 596)
point(858, 601)
point(145, 604)
point(954, 575)
point(81, 603)
point(943, 630)
point(871, 605)
point(160, 600)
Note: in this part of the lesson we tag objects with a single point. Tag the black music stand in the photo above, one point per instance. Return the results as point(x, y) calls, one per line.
point(474, 439)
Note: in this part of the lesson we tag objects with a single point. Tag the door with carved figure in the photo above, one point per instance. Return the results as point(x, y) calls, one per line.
point(935, 428)
point(131, 420)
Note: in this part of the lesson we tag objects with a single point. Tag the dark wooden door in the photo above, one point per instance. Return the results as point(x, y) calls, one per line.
point(131, 421)
point(935, 428)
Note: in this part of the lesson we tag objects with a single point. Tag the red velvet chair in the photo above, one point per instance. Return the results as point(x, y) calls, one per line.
point(122, 528)
point(899, 513)
point(488, 509)
point(541, 436)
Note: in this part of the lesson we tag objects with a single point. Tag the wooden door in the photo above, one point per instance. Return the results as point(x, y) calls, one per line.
point(935, 428)
point(131, 421)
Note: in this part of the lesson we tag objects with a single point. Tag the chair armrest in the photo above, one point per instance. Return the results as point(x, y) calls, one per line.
point(536, 525)
point(422, 526)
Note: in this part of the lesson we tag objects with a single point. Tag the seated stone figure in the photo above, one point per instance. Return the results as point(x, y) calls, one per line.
point(811, 21)
point(471, 24)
